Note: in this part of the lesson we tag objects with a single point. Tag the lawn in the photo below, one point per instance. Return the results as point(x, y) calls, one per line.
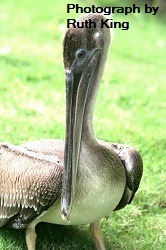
point(130, 108)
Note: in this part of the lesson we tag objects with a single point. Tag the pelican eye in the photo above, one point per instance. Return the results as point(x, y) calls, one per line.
point(81, 53)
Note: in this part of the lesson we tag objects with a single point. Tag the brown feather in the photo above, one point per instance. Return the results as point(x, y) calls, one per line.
point(30, 179)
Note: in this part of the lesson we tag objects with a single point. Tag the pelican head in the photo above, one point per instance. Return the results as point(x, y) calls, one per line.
point(85, 51)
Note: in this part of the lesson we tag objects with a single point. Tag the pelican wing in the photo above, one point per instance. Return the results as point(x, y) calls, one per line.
point(30, 182)
point(133, 164)
point(50, 147)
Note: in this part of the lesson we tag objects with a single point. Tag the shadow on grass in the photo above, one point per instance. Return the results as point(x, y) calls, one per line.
point(49, 237)
point(12, 239)
point(57, 237)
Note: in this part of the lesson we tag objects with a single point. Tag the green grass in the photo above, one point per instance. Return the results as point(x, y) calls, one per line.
point(130, 109)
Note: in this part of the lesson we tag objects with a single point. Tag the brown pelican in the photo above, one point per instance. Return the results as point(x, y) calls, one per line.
point(97, 177)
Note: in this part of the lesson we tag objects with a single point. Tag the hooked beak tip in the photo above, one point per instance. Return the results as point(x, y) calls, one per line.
point(65, 210)
point(65, 216)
